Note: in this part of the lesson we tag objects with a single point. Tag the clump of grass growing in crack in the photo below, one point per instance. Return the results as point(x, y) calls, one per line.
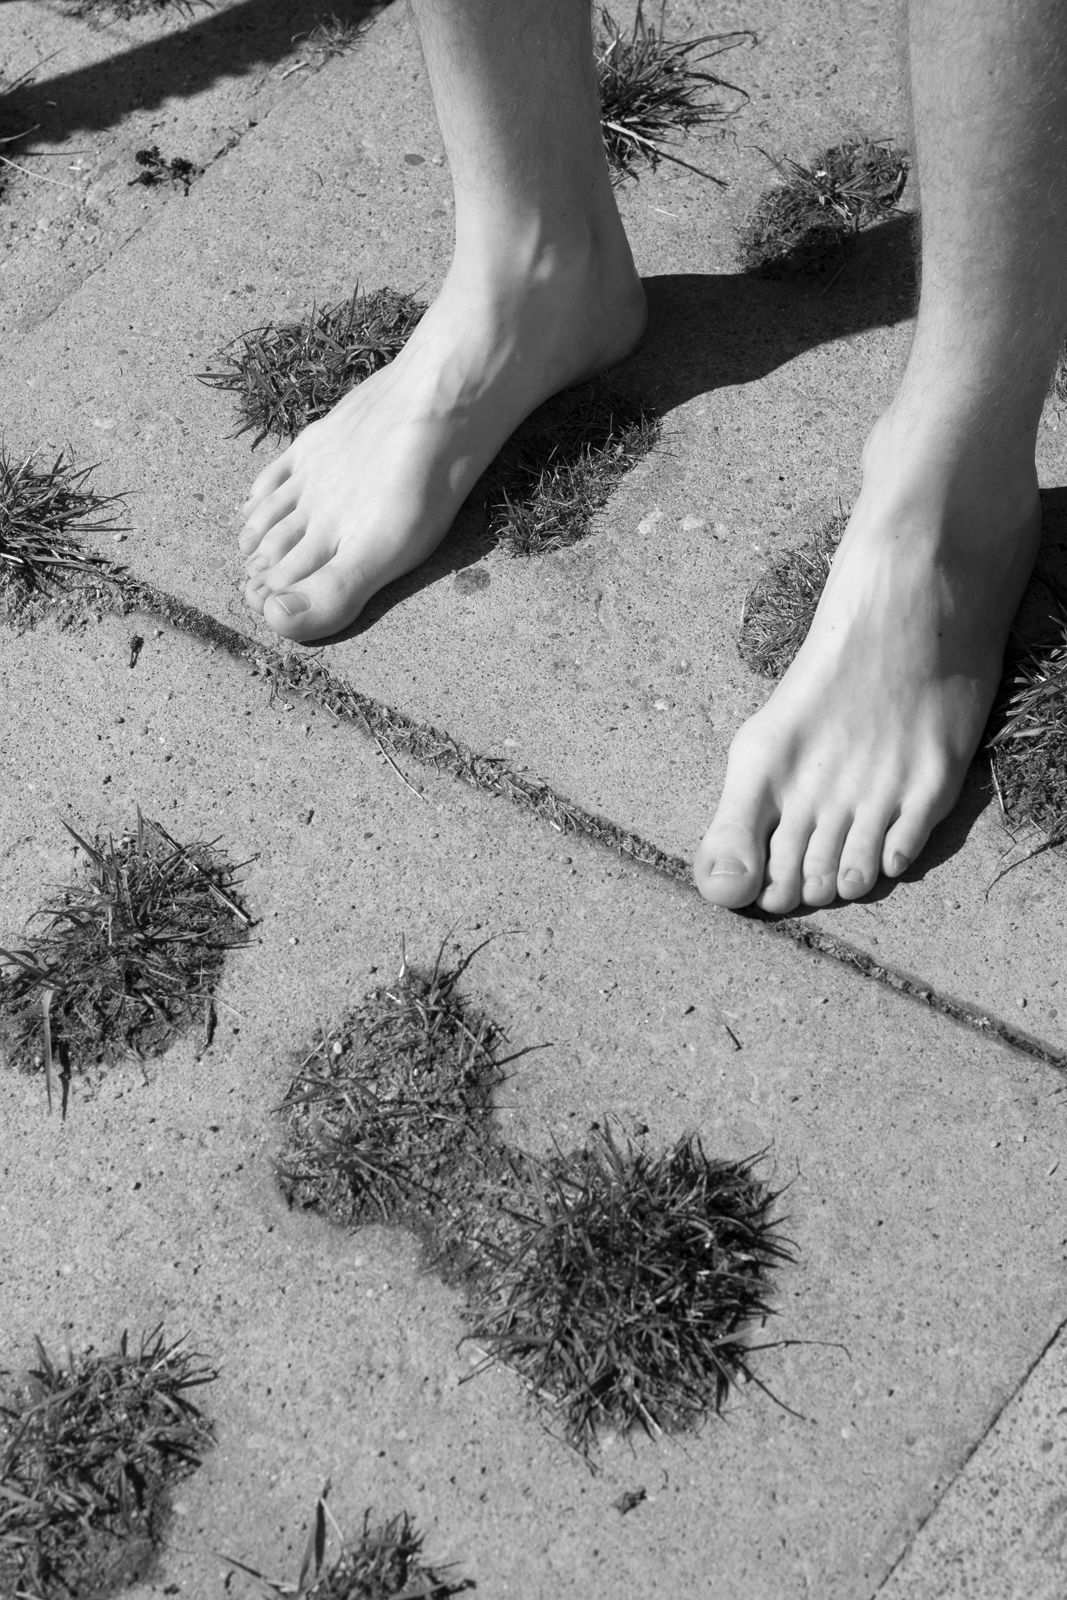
point(814, 215)
point(562, 464)
point(385, 1562)
point(125, 9)
point(1058, 388)
point(90, 1449)
point(388, 1118)
point(46, 510)
point(288, 374)
point(633, 1284)
point(1029, 747)
point(156, 170)
point(779, 607)
point(128, 956)
point(651, 89)
point(331, 36)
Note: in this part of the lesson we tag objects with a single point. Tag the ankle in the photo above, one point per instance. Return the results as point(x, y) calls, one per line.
point(962, 460)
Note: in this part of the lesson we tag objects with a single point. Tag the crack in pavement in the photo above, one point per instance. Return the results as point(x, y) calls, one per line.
point(396, 733)
point(965, 1463)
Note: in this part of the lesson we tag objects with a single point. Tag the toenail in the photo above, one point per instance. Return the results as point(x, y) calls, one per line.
point(813, 885)
point(854, 875)
point(257, 564)
point(293, 603)
point(728, 867)
point(900, 862)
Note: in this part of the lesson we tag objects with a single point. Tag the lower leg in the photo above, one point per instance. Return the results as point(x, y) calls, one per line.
point(541, 293)
point(864, 745)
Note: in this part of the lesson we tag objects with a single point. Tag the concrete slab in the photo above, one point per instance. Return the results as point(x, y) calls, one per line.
point(918, 1158)
point(609, 670)
point(89, 93)
point(1001, 1531)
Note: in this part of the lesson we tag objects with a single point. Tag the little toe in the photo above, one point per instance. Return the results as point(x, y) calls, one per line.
point(781, 890)
point(861, 857)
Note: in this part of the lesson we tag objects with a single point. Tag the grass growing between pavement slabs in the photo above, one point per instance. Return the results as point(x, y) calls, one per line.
point(384, 1563)
point(90, 1448)
point(287, 374)
point(331, 36)
point(812, 218)
point(623, 1285)
point(129, 954)
point(779, 606)
point(549, 480)
point(123, 10)
point(46, 510)
point(651, 89)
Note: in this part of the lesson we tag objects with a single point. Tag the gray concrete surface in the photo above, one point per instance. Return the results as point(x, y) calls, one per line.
point(609, 670)
point(1001, 1531)
point(918, 1158)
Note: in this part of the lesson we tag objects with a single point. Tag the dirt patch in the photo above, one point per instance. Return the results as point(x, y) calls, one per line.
point(90, 1448)
point(779, 606)
point(128, 957)
point(810, 220)
point(651, 89)
point(288, 374)
point(156, 169)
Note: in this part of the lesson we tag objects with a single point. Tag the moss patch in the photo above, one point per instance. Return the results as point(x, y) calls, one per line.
point(810, 220)
point(779, 607)
point(128, 956)
point(651, 89)
point(288, 374)
point(46, 510)
point(622, 1285)
point(90, 1449)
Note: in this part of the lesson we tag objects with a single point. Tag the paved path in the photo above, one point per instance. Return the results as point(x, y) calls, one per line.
point(925, 1193)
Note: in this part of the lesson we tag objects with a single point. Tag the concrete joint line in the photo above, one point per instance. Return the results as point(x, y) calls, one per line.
point(976, 1446)
point(398, 734)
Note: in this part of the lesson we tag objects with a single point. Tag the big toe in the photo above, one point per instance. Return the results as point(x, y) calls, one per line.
point(729, 865)
point(320, 604)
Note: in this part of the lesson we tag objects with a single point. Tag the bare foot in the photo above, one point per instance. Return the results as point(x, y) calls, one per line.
point(367, 492)
point(863, 746)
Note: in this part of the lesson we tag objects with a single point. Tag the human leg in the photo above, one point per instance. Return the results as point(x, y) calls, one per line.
point(542, 293)
point(863, 746)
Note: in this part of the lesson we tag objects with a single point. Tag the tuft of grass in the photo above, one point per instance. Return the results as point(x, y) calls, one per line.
point(288, 374)
point(384, 1563)
point(1059, 377)
point(388, 1118)
point(90, 1449)
point(45, 512)
point(1029, 747)
point(779, 607)
point(331, 36)
point(129, 955)
point(651, 89)
point(562, 464)
point(155, 169)
point(812, 218)
point(634, 1283)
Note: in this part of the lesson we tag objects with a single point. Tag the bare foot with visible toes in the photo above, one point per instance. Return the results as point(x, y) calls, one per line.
point(863, 747)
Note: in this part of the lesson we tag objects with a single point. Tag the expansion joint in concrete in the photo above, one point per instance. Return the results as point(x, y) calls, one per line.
point(395, 733)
